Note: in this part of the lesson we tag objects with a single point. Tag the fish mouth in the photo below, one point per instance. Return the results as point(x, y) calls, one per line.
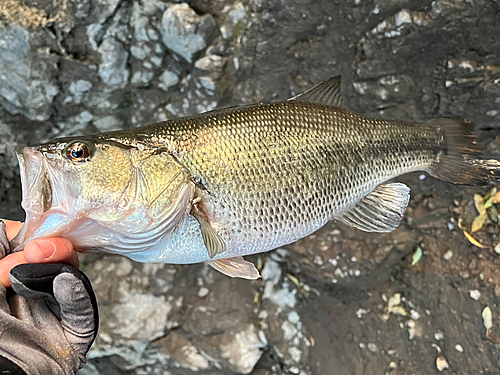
point(35, 182)
point(39, 200)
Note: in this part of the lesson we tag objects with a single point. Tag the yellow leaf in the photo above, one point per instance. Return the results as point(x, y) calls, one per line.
point(479, 203)
point(473, 240)
point(399, 310)
point(496, 198)
point(469, 236)
point(294, 279)
point(479, 222)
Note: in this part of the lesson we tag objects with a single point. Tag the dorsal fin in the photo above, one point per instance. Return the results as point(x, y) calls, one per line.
point(327, 93)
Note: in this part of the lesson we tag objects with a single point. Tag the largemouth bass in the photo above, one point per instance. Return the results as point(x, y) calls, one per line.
point(238, 181)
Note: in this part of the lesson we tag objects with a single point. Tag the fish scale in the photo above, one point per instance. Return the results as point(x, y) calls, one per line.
point(274, 173)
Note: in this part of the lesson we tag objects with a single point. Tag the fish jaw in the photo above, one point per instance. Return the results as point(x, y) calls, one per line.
point(46, 198)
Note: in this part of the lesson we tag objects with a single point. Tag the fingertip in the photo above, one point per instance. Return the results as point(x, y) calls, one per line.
point(7, 264)
point(53, 250)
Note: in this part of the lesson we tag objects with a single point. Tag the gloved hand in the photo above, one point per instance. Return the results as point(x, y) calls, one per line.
point(48, 320)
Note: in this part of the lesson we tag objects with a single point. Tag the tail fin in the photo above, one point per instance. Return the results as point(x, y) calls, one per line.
point(459, 156)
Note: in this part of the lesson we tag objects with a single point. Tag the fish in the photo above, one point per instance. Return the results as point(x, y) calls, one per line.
point(239, 180)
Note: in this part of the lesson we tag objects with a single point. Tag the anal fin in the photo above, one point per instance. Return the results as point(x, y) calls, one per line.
point(380, 211)
point(236, 267)
point(214, 243)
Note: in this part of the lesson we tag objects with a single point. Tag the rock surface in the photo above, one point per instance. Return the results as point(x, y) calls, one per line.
point(184, 32)
point(328, 302)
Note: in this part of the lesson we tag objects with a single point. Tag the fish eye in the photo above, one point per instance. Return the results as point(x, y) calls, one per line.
point(78, 152)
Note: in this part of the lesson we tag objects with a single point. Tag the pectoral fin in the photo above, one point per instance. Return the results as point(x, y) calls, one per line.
point(235, 267)
point(214, 243)
point(380, 211)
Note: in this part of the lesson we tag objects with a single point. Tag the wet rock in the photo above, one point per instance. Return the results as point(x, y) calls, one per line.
point(242, 350)
point(184, 353)
point(107, 123)
point(105, 8)
point(168, 79)
point(28, 81)
point(184, 32)
point(211, 63)
point(136, 314)
point(228, 29)
point(142, 78)
point(144, 25)
point(140, 51)
point(281, 296)
point(152, 311)
point(209, 71)
point(79, 90)
point(144, 106)
point(113, 68)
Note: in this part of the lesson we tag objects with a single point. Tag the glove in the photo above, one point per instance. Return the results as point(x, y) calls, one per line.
point(48, 320)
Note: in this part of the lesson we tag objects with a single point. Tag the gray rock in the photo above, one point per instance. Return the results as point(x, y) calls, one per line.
point(79, 91)
point(242, 350)
point(208, 84)
point(141, 317)
point(142, 77)
point(211, 63)
point(107, 123)
point(142, 22)
point(94, 33)
point(113, 68)
point(140, 51)
point(234, 17)
point(209, 70)
point(184, 352)
point(184, 32)
point(140, 26)
point(105, 8)
point(136, 314)
point(28, 82)
point(168, 79)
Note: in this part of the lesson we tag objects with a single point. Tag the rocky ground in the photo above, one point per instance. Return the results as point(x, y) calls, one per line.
point(337, 302)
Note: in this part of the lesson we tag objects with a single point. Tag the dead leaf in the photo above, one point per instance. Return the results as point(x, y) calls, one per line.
point(479, 222)
point(479, 203)
point(294, 280)
point(496, 198)
point(471, 239)
point(399, 310)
